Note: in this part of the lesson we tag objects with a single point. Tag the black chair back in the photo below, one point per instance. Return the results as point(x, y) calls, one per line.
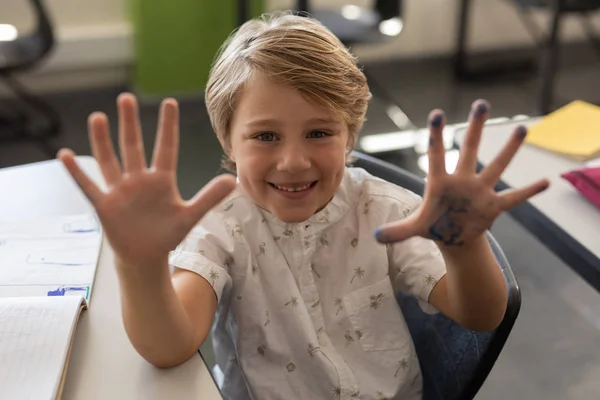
point(27, 51)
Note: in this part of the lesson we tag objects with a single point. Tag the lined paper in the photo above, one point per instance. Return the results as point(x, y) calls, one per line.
point(53, 256)
point(35, 337)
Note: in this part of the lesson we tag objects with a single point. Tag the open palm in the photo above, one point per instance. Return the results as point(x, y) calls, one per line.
point(458, 208)
point(142, 212)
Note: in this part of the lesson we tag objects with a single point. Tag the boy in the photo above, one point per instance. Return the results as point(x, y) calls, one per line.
point(287, 258)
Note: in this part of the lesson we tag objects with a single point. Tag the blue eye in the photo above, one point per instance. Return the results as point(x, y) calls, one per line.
point(317, 134)
point(266, 137)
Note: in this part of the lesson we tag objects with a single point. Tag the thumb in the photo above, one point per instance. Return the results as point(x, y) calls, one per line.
point(210, 195)
point(397, 231)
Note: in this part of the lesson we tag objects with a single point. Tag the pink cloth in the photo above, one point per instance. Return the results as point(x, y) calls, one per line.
point(587, 182)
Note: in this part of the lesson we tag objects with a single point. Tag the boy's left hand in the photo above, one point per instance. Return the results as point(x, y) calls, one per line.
point(458, 208)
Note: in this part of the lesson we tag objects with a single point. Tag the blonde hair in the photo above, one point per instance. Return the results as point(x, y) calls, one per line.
point(291, 49)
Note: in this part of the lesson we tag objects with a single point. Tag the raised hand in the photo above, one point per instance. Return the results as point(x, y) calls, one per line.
point(142, 213)
point(458, 208)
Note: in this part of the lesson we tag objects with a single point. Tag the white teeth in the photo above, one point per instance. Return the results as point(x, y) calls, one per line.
point(296, 189)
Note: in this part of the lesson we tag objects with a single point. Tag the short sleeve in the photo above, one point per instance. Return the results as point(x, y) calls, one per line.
point(207, 250)
point(415, 265)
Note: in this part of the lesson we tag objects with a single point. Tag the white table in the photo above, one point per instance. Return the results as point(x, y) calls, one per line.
point(566, 222)
point(103, 365)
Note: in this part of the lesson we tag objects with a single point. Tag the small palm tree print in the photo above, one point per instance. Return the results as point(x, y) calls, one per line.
point(339, 304)
point(354, 242)
point(358, 272)
point(312, 266)
point(239, 297)
point(367, 206)
point(261, 349)
point(288, 232)
point(323, 240)
point(316, 304)
point(261, 249)
point(325, 217)
point(293, 302)
point(228, 207)
point(312, 349)
point(320, 330)
point(291, 367)
point(359, 334)
point(376, 300)
point(402, 365)
point(276, 238)
point(307, 241)
point(349, 338)
point(267, 320)
point(254, 269)
point(213, 276)
point(430, 280)
point(337, 391)
point(355, 393)
point(380, 395)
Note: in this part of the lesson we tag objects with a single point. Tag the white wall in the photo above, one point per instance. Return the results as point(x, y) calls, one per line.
point(95, 36)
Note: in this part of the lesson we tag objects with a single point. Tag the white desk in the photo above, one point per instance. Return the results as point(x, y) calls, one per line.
point(560, 217)
point(103, 364)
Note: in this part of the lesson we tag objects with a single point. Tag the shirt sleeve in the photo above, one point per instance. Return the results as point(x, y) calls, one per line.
point(415, 265)
point(207, 250)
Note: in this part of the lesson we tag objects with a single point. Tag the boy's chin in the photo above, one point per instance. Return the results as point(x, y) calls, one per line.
point(291, 216)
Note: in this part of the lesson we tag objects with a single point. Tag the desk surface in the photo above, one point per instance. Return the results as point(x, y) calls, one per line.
point(569, 223)
point(103, 364)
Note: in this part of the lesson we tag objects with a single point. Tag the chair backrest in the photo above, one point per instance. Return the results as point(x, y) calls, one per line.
point(26, 51)
point(386, 9)
point(454, 361)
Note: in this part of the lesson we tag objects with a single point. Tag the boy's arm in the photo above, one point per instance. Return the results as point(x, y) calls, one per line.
point(166, 318)
point(473, 292)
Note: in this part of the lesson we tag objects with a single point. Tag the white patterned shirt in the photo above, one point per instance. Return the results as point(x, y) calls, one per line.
point(308, 310)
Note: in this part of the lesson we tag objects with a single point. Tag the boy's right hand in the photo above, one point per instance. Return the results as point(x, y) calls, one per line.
point(142, 212)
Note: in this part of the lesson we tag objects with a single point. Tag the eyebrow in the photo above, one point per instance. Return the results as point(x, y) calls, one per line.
point(274, 122)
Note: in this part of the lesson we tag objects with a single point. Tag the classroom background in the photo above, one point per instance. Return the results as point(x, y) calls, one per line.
point(527, 57)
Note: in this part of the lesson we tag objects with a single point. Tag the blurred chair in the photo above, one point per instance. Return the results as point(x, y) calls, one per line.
point(454, 361)
point(24, 53)
point(355, 25)
point(548, 41)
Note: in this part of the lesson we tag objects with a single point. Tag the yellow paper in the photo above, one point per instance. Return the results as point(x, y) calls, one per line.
point(573, 130)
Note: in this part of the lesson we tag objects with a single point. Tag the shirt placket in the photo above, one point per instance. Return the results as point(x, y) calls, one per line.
point(304, 254)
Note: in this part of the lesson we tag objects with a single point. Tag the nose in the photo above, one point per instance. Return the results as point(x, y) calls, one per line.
point(293, 158)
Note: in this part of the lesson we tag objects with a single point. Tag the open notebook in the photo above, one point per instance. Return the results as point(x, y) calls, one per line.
point(47, 270)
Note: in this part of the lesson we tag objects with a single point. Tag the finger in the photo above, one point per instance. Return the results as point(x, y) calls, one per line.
point(87, 186)
point(102, 148)
point(167, 137)
point(492, 172)
point(467, 162)
point(436, 152)
point(210, 195)
point(513, 197)
point(398, 231)
point(130, 134)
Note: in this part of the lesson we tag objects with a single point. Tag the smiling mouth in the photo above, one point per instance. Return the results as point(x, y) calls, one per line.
point(293, 188)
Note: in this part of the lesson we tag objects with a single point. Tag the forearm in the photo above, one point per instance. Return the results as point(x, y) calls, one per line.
point(476, 287)
point(155, 320)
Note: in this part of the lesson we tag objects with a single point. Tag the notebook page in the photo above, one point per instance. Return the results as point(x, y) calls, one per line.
point(35, 337)
point(53, 256)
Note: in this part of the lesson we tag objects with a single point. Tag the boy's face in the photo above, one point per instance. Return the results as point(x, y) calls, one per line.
point(290, 154)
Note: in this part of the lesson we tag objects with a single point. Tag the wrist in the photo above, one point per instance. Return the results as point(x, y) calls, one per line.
point(466, 249)
point(145, 273)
